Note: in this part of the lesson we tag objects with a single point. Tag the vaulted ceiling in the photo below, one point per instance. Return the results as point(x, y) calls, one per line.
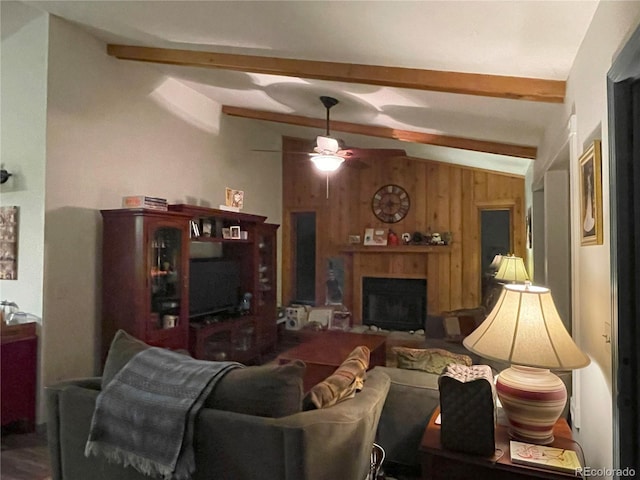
point(448, 80)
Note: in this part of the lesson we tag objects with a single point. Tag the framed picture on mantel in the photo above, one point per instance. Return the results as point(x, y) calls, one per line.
point(376, 236)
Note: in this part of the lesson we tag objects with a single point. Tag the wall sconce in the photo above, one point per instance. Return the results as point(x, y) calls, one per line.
point(4, 175)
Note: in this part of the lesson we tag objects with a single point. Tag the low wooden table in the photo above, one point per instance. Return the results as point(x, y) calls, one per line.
point(327, 350)
point(439, 463)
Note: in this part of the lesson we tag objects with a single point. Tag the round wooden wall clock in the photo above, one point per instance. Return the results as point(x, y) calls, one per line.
point(390, 203)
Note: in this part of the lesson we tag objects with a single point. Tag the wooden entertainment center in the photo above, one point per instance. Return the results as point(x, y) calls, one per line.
point(146, 280)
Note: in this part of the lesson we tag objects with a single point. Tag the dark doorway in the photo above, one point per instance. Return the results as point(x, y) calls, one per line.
point(624, 152)
point(304, 244)
point(495, 231)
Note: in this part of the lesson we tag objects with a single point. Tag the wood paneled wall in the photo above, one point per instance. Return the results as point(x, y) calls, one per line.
point(444, 197)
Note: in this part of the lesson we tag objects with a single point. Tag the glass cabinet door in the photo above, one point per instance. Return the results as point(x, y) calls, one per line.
point(166, 287)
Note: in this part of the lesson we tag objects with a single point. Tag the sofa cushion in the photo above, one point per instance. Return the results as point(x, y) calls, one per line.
point(432, 360)
point(123, 348)
point(342, 384)
point(266, 390)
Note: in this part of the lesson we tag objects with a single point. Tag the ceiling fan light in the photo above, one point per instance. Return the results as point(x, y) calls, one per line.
point(327, 163)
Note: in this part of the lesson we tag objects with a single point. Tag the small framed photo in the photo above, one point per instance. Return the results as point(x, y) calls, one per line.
point(376, 236)
point(226, 233)
point(235, 232)
point(354, 239)
point(340, 321)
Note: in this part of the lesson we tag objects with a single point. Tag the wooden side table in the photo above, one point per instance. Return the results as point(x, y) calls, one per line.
point(439, 463)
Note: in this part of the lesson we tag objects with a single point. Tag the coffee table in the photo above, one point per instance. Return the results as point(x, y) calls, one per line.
point(327, 350)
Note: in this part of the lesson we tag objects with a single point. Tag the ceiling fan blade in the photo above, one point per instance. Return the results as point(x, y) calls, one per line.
point(353, 153)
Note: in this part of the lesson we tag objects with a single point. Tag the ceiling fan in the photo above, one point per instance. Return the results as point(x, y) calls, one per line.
point(330, 152)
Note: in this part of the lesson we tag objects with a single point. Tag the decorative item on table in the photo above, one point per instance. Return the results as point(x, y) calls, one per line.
point(320, 315)
point(143, 201)
point(340, 320)
point(354, 239)
point(467, 409)
point(376, 236)
point(406, 238)
point(296, 317)
point(417, 238)
point(525, 329)
point(559, 459)
point(392, 238)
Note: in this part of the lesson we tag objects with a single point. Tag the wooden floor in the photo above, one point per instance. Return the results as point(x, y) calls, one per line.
point(24, 456)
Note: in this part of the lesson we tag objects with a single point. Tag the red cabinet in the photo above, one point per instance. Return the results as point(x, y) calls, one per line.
point(18, 370)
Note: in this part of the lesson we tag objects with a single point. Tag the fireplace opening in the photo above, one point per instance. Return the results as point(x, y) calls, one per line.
point(394, 303)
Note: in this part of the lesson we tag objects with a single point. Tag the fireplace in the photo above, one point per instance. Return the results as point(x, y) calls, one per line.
point(394, 303)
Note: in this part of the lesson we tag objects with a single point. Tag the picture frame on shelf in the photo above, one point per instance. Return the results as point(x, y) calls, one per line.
point(235, 232)
point(206, 227)
point(376, 236)
point(591, 195)
point(226, 233)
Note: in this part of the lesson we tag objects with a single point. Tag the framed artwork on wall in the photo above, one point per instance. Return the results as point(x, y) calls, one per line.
point(591, 195)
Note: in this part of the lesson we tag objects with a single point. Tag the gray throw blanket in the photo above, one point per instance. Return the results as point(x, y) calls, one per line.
point(145, 417)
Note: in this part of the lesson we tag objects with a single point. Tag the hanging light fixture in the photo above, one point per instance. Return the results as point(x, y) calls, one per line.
point(327, 163)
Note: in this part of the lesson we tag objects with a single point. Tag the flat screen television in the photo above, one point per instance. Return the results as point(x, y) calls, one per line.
point(214, 286)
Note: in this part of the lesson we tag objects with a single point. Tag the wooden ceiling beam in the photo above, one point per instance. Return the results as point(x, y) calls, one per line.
point(518, 88)
point(520, 151)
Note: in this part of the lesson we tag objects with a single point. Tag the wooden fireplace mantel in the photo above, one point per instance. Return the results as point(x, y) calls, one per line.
point(395, 249)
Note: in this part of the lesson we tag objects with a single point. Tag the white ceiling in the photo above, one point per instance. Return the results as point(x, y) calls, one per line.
point(536, 39)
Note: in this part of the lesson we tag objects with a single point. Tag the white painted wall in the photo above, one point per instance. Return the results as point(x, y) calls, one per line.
point(557, 242)
point(613, 22)
point(119, 128)
point(23, 83)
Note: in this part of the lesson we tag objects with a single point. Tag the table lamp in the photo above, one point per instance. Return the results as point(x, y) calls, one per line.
point(511, 270)
point(524, 329)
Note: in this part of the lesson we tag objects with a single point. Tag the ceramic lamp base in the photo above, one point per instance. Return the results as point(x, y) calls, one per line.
point(532, 399)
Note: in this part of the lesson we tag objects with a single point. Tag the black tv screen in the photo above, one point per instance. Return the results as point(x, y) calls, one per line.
point(214, 286)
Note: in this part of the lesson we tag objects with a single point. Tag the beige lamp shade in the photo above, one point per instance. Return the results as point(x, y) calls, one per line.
point(524, 328)
point(512, 270)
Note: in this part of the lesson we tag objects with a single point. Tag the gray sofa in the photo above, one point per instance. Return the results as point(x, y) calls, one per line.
point(326, 444)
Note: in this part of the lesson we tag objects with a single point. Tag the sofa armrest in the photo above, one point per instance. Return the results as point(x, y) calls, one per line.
point(52, 395)
point(413, 395)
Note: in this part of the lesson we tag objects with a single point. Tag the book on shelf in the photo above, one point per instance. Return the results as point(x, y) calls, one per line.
point(142, 201)
point(543, 456)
